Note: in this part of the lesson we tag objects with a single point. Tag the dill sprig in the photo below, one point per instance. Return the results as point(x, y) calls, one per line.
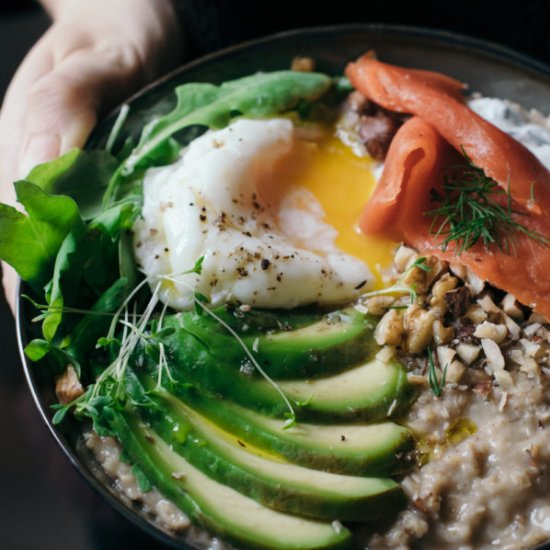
point(435, 383)
point(473, 208)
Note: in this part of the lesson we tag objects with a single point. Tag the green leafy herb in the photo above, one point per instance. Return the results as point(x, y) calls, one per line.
point(207, 105)
point(436, 384)
point(60, 413)
point(30, 243)
point(474, 208)
point(81, 175)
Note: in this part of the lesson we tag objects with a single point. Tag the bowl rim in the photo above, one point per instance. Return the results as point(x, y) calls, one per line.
point(455, 40)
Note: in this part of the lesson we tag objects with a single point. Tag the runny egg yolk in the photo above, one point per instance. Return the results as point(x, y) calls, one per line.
point(341, 182)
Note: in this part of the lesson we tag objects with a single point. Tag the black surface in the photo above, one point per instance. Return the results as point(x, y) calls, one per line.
point(45, 504)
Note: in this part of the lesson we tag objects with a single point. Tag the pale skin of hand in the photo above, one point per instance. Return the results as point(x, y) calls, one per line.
point(94, 55)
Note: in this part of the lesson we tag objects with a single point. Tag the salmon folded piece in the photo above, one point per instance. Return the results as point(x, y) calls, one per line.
point(420, 156)
point(437, 99)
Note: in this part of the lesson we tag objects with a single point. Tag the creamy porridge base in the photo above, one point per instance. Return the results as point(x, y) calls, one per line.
point(491, 490)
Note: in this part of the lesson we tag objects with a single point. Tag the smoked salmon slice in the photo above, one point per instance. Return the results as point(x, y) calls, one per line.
point(419, 158)
point(437, 99)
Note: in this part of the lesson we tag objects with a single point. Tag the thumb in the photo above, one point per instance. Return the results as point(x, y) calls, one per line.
point(62, 107)
point(57, 118)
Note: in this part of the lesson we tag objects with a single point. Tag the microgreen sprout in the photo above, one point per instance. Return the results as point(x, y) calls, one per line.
point(117, 127)
point(200, 302)
point(400, 287)
point(422, 263)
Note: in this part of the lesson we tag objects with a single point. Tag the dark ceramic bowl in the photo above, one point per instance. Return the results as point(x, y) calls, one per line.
point(488, 68)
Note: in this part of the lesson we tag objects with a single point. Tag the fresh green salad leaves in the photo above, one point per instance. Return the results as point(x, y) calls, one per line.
point(30, 243)
point(81, 175)
point(202, 104)
point(75, 249)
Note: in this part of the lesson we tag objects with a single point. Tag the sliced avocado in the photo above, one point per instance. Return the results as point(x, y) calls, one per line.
point(369, 392)
point(221, 509)
point(286, 345)
point(266, 478)
point(353, 449)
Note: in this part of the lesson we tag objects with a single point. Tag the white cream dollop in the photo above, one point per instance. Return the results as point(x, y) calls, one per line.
point(209, 203)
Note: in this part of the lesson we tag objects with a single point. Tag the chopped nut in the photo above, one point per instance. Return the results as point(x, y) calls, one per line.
point(468, 352)
point(418, 325)
point(464, 331)
point(68, 386)
point(441, 288)
point(530, 330)
point(455, 371)
point(476, 314)
point(419, 277)
point(531, 348)
point(511, 307)
point(403, 257)
point(442, 334)
point(302, 64)
point(445, 355)
point(475, 284)
point(513, 328)
point(488, 305)
point(378, 305)
point(517, 356)
point(495, 359)
point(390, 329)
point(489, 330)
point(459, 270)
point(457, 301)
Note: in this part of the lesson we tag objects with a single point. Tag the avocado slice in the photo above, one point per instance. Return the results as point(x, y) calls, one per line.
point(265, 477)
point(286, 345)
point(371, 391)
point(352, 449)
point(221, 509)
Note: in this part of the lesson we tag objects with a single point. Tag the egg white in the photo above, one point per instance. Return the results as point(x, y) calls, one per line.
point(210, 204)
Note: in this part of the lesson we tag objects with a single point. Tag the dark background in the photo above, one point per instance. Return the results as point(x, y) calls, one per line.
point(44, 504)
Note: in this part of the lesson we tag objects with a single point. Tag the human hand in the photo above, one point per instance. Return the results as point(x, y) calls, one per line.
point(93, 56)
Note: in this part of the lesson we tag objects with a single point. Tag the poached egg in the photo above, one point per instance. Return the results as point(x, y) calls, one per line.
point(272, 214)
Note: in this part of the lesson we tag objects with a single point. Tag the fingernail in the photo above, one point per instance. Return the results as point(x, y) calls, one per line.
point(38, 149)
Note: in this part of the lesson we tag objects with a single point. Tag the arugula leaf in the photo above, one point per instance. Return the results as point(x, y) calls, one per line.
point(90, 256)
point(213, 106)
point(81, 175)
point(63, 265)
point(30, 243)
point(91, 327)
point(37, 349)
